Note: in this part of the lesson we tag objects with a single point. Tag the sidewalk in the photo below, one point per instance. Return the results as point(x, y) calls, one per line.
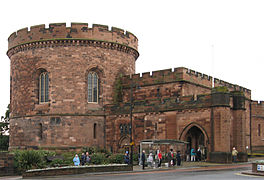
point(194, 166)
point(186, 166)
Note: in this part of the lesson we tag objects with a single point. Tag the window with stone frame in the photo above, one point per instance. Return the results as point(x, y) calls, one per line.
point(44, 87)
point(92, 87)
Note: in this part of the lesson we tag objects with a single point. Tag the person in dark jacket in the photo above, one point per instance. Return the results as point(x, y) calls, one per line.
point(126, 158)
point(178, 158)
point(83, 159)
point(143, 159)
point(87, 158)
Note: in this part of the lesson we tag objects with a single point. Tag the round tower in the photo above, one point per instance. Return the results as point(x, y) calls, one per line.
point(61, 78)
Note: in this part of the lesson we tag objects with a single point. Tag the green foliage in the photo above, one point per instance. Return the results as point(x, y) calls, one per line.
point(57, 163)
point(4, 142)
point(95, 149)
point(68, 158)
point(99, 158)
point(222, 89)
point(135, 158)
point(4, 123)
point(118, 90)
point(30, 159)
point(116, 158)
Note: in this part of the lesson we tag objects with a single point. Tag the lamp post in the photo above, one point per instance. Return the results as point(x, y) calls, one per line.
point(131, 124)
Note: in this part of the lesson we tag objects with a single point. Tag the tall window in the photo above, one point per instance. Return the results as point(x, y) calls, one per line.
point(92, 87)
point(44, 87)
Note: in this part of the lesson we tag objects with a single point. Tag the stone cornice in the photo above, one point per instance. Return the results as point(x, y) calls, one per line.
point(102, 114)
point(72, 42)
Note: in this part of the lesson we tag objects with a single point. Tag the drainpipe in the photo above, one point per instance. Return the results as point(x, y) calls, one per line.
point(250, 126)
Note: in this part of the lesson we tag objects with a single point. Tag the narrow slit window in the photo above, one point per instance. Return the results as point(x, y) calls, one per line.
point(259, 130)
point(94, 130)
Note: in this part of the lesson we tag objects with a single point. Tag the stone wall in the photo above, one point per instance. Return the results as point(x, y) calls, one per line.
point(6, 164)
point(49, 132)
point(257, 126)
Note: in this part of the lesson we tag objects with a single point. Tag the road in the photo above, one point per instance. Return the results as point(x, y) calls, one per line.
point(228, 174)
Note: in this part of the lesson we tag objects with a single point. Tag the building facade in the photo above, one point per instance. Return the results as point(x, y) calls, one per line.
point(72, 87)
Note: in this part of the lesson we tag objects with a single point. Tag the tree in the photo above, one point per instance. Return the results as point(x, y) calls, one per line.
point(4, 123)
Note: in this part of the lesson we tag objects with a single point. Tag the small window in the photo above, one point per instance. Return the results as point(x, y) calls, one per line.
point(92, 87)
point(44, 87)
point(259, 130)
point(55, 120)
point(40, 131)
point(121, 129)
point(94, 135)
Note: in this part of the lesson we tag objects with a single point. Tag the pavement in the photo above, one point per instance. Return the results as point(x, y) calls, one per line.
point(185, 166)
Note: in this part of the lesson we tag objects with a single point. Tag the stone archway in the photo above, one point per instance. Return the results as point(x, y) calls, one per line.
point(196, 136)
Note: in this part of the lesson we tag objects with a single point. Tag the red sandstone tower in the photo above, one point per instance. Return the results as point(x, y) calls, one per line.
point(61, 78)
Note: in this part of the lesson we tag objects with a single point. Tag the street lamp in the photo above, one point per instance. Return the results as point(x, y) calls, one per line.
point(131, 115)
point(131, 124)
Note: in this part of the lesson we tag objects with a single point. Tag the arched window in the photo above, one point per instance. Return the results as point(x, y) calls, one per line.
point(43, 87)
point(92, 87)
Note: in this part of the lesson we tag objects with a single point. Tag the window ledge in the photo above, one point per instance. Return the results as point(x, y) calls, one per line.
point(42, 107)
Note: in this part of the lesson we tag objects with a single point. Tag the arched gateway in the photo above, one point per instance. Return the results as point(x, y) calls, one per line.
point(196, 136)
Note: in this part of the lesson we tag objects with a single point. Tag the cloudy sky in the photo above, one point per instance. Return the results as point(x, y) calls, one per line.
point(222, 38)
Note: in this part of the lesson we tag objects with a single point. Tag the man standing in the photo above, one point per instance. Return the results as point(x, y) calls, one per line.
point(234, 154)
point(199, 154)
point(143, 158)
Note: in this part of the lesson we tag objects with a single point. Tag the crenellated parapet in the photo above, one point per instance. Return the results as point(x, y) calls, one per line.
point(78, 33)
point(257, 109)
point(258, 103)
point(180, 74)
point(168, 76)
point(232, 87)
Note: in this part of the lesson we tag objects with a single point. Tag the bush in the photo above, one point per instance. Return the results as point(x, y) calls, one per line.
point(99, 158)
point(94, 149)
point(4, 142)
point(68, 158)
point(56, 163)
point(116, 158)
point(30, 159)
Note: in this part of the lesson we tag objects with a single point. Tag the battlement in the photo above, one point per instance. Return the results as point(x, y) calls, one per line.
point(180, 74)
point(232, 87)
point(76, 31)
point(167, 76)
point(257, 103)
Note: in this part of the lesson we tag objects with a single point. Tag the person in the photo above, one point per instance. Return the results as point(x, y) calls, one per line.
point(126, 158)
point(187, 153)
point(199, 154)
point(150, 160)
point(193, 154)
point(76, 160)
point(170, 158)
point(83, 159)
point(160, 158)
point(178, 158)
point(143, 158)
point(234, 154)
point(87, 158)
